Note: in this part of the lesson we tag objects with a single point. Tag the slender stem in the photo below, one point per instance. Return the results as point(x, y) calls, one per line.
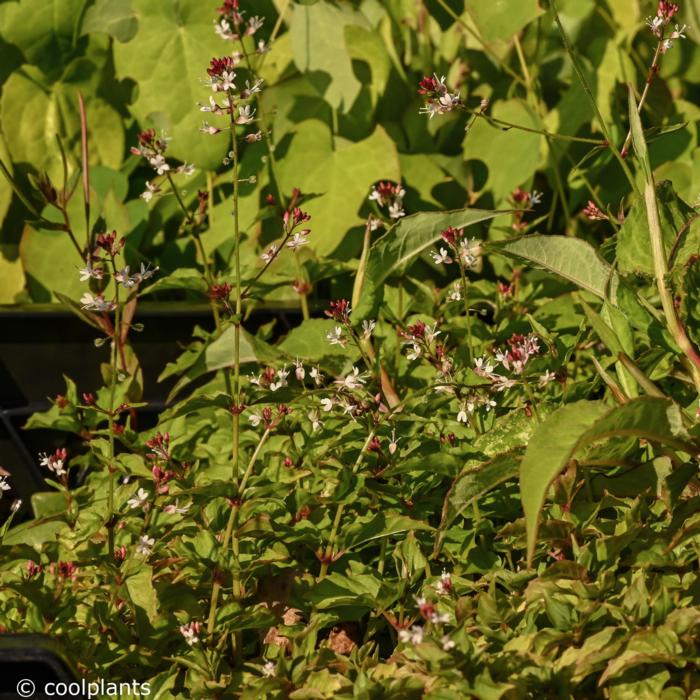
point(523, 62)
point(649, 81)
point(116, 339)
point(465, 291)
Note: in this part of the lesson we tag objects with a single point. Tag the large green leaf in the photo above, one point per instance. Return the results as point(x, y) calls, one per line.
point(570, 258)
point(342, 172)
point(406, 239)
point(489, 144)
point(579, 425)
point(318, 46)
point(678, 223)
point(34, 112)
point(114, 17)
point(500, 19)
point(168, 58)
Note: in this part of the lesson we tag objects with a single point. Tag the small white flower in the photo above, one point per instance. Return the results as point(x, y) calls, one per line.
point(269, 254)
point(207, 128)
point(441, 258)
point(226, 84)
point(151, 190)
point(483, 367)
point(190, 632)
point(546, 378)
point(431, 333)
point(327, 404)
point(158, 164)
point(447, 643)
point(336, 337)
point(413, 636)
point(186, 169)
point(52, 463)
point(396, 210)
point(439, 618)
point(262, 47)
point(4, 486)
point(353, 380)
point(254, 23)
point(176, 508)
point(367, 328)
point(444, 585)
point(269, 669)
point(281, 380)
point(251, 90)
point(456, 293)
point(96, 303)
point(393, 444)
point(679, 32)
point(145, 545)
point(89, 271)
point(299, 371)
point(316, 375)
point(489, 404)
point(501, 383)
point(223, 30)
point(139, 499)
point(300, 238)
point(246, 114)
point(254, 420)
point(314, 417)
point(415, 352)
point(535, 197)
point(462, 416)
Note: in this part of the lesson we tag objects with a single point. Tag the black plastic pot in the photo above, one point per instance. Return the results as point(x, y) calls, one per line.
point(39, 344)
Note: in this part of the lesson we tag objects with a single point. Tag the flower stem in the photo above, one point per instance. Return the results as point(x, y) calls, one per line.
point(116, 340)
point(470, 344)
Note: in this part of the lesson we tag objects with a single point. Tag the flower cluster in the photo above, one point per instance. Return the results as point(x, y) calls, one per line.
point(153, 149)
point(523, 201)
point(390, 196)
point(191, 632)
point(665, 12)
point(55, 462)
point(232, 25)
point(438, 99)
point(459, 248)
point(594, 213)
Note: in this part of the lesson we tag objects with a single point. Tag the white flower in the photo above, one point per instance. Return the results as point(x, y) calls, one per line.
point(251, 90)
point(546, 378)
point(281, 380)
point(190, 632)
point(123, 277)
point(535, 197)
point(254, 420)
point(268, 669)
point(159, 165)
point(139, 499)
point(396, 210)
point(444, 585)
point(314, 417)
point(299, 371)
point(151, 189)
point(327, 404)
point(462, 415)
point(456, 293)
point(335, 337)
point(262, 47)
point(447, 643)
point(53, 463)
point(501, 383)
point(186, 169)
point(223, 30)
point(269, 254)
point(414, 635)
point(4, 486)
point(207, 128)
point(441, 258)
point(655, 24)
point(89, 271)
point(300, 238)
point(439, 618)
point(489, 404)
point(176, 508)
point(226, 84)
point(353, 380)
point(316, 375)
point(415, 352)
point(367, 328)
point(679, 32)
point(96, 303)
point(431, 333)
point(245, 115)
point(145, 545)
point(483, 367)
point(254, 23)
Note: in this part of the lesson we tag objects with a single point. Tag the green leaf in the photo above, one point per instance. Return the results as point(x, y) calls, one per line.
point(381, 525)
point(360, 590)
point(308, 341)
point(47, 503)
point(342, 172)
point(500, 19)
point(679, 226)
point(175, 38)
point(114, 17)
point(489, 144)
point(142, 592)
point(570, 258)
point(318, 47)
point(575, 426)
point(406, 239)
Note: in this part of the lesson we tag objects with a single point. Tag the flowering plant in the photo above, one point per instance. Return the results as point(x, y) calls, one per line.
point(470, 471)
